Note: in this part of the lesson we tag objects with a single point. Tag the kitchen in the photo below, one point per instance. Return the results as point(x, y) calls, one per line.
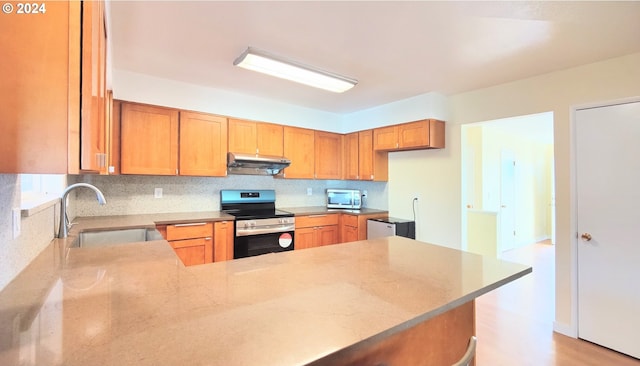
point(439, 207)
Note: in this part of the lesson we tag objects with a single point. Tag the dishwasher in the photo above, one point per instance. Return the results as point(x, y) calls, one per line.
point(390, 226)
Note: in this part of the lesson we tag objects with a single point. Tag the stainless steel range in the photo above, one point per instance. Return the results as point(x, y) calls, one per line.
point(259, 227)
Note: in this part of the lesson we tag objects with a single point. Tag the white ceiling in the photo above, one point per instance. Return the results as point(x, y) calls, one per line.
point(395, 49)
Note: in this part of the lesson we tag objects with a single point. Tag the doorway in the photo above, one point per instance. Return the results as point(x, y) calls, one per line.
point(492, 181)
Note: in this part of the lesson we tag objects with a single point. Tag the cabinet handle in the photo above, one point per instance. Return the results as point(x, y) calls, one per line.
point(207, 238)
point(194, 224)
point(317, 215)
point(471, 352)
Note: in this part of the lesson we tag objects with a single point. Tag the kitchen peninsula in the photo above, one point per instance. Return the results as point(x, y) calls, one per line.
point(137, 304)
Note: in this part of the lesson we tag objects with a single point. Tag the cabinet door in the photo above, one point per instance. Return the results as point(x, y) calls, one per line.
point(243, 136)
point(191, 251)
point(351, 156)
point(413, 134)
point(328, 150)
point(385, 138)
point(93, 89)
point(223, 241)
point(304, 238)
point(327, 235)
point(299, 148)
point(365, 155)
point(149, 140)
point(203, 144)
point(269, 140)
point(39, 89)
point(349, 233)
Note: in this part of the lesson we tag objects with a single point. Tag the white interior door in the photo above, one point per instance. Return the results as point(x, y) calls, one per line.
point(507, 200)
point(608, 199)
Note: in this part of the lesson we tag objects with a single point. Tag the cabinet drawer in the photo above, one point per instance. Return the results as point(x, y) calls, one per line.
point(350, 220)
point(190, 242)
point(316, 220)
point(189, 231)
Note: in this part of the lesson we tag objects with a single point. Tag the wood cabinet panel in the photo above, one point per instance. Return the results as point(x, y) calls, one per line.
point(242, 136)
point(351, 156)
point(40, 90)
point(191, 252)
point(413, 134)
point(189, 231)
point(305, 238)
point(251, 137)
point(203, 144)
point(93, 88)
point(327, 235)
point(385, 138)
point(299, 148)
point(423, 134)
point(317, 220)
point(192, 242)
point(366, 155)
point(328, 150)
point(223, 241)
point(149, 140)
point(349, 234)
point(270, 139)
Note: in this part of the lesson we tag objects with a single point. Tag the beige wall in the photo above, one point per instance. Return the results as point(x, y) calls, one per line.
point(436, 174)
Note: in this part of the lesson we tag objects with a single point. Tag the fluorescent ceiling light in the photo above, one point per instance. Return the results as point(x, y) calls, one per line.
point(264, 62)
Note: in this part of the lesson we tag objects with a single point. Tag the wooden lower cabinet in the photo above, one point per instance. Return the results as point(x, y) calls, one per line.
point(354, 227)
point(316, 230)
point(192, 242)
point(223, 241)
point(439, 341)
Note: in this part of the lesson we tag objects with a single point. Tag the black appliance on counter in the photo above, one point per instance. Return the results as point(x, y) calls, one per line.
point(259, 228)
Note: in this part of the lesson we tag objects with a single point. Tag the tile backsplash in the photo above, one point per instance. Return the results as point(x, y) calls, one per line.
point(134, 194)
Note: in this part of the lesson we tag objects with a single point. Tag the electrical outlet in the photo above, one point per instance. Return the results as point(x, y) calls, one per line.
point(16, 214)
point(157, 193)
point(364, 194)
point(415, 196)
point(309, 191)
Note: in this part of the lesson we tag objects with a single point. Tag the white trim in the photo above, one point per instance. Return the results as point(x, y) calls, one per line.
point(565, 329)
point(572, 329)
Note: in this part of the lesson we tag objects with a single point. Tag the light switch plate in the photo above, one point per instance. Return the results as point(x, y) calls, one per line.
point(16, 214)
point(157, 193)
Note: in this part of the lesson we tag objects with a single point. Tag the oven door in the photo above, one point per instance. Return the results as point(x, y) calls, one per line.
point(251, 245)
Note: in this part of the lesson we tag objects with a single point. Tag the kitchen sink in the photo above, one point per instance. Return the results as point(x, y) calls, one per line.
point(92, 239)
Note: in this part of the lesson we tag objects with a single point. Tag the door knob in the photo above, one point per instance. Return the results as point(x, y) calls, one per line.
point(586, 237)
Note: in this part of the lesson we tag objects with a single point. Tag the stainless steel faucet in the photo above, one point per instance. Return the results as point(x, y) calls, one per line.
point(64, 224)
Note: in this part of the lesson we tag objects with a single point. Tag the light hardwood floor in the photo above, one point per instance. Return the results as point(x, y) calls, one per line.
point(514, 323)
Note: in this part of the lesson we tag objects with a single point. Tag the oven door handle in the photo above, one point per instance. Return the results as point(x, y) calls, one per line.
point(266, 230)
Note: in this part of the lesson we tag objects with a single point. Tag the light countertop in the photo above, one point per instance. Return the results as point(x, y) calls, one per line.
point(136, 304)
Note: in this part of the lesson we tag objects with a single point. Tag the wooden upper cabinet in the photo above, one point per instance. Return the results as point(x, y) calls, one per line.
point(361, 162)
point(242, 136)
point(270, 139)
point(351, 156)
point(366, 157)
point(93, 123)
point(149, 139)
point(40, 90)
point(251, 137)
point(299, 148)
point(328, 150)
point(203, 144)
point(424, 134)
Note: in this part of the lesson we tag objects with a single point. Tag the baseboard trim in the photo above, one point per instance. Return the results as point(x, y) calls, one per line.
point(565, 329)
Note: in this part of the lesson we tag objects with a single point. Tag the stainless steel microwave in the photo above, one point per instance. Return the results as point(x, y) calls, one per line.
point(344, 198)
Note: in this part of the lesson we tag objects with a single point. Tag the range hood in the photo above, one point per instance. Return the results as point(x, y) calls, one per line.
point(255, 164)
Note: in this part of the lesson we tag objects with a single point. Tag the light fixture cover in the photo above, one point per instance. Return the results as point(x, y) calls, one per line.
point(264, 62)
